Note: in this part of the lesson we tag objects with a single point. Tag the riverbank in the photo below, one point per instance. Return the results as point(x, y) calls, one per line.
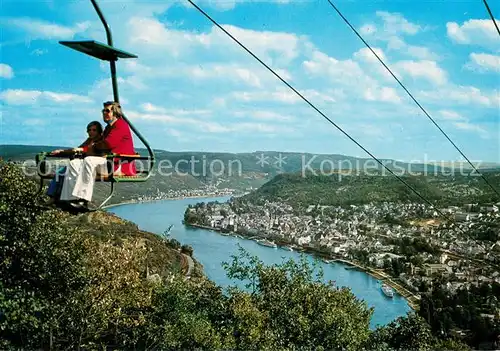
point(412, 299)
point(129, 202)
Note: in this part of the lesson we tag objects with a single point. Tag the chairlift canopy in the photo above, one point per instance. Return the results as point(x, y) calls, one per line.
point(98, 50)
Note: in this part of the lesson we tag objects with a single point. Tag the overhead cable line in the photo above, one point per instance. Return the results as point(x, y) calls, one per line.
point(491, 15)
point(314, 107)
point(411, 96)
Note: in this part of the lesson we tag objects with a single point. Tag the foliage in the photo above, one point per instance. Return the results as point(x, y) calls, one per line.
point(62, 288)
point(339, 190)
point(410, 333)
point(65, 286)
point(301, 309)
point(41, 264)
point(187, 249)
point(463, 310)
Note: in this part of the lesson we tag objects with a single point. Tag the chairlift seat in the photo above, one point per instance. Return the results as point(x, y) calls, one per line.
point(141, 176)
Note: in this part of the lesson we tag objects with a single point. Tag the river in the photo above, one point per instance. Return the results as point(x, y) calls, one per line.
point(211, 249)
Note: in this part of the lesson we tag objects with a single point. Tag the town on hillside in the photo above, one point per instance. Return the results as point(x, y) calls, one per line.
point(407, 242)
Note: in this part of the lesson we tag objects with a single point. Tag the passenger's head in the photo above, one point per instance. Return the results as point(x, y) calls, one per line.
point(111, 111)
point(94, 129)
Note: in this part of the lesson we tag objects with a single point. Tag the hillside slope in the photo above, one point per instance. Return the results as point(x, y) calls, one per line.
point(346, 190)
point(80, 282)
point(179, 171)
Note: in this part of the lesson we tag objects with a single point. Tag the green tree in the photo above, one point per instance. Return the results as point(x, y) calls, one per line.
point(405, 333)
point(301, 309)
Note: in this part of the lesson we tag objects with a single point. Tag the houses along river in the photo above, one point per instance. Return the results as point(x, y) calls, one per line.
point(211, 249)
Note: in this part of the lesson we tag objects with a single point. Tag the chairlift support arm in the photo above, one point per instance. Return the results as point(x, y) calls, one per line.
point(109, 53)
point(109, 38)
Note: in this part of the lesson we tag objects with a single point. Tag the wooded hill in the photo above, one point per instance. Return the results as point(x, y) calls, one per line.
point(300, 191)
point(82, 283)
point(242, 171)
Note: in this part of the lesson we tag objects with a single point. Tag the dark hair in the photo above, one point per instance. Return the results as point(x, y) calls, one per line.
point(97, 124)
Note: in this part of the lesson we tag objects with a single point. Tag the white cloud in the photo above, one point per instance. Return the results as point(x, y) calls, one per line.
point(264, 115)
point(151, 108)
point(425, 69)
point(470, 127)
point(282, 96)
point(480, 62)
point(346, 71)
point(231, 4)
point(392, 30)
point(475, 31)
point(254, 77)
point(39, 29)
point(384, 94)
point(421, 52)
point(460, 122)
point(366, 55)
point(283, 45)
point(6, 71)
point(395, 23)
point(157, 37)
point(450, 115)
point(237, 73)
point(39, 52)
point(463, 95)
point(30, 97)
point(208, 126)
point(368, 29)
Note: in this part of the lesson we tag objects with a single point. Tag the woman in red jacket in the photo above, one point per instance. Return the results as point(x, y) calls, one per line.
point(117, 138)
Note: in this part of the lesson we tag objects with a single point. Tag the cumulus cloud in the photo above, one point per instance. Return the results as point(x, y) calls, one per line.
point(450, 115)
point(458, 121)
point(366, 57)
point(346, 71)
point(6, 71)
point(397, 23)
point(457, 94)
point(368, 29)
point(384, 94)
point(480, 32)
point(39, 29)
point(30, 97)
point(207, 126)
point(154, 36)
point(428, 70)
point(395, 43)
point(280, 96)
point(471, 127)
point(201, 82)
point(483, 63)
point(268, 116)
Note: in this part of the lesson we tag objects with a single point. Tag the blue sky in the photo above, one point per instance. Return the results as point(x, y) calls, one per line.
point(194, 89)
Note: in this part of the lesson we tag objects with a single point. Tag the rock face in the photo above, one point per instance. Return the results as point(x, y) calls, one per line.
point(162, 258)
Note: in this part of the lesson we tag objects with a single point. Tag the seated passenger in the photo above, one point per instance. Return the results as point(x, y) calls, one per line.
point(94, 130)
point(78, 185)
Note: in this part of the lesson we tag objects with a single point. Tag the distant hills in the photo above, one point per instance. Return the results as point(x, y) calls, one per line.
point(301, 192)
point(204, 164)
point(194, 170)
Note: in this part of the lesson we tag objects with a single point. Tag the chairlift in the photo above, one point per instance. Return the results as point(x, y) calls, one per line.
point(109, 53)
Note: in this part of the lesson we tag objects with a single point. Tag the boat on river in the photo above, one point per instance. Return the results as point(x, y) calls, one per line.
point(267, 243)
point(387, 290)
